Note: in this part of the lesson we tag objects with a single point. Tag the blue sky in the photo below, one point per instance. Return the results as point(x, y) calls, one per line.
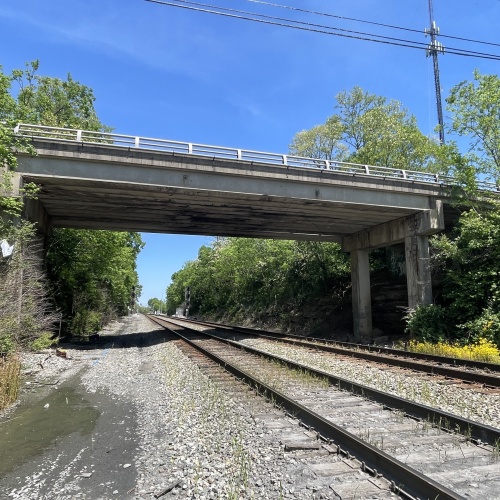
point(166, 72)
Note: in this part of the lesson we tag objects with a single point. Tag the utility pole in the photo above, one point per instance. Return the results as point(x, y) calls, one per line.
point(433, 49)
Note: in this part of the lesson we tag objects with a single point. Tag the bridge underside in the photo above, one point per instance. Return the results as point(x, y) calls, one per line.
point(80, 203)
point(101, 186)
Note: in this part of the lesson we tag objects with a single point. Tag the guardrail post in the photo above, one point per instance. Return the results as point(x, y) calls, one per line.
point(190, 148)
point(16, 129)
point(285, 160)
point(404, 174)
point(367, 170)
point(239, 154)
point(327, 164)
point(79, 135)
point(436, 177)
point(136, 142)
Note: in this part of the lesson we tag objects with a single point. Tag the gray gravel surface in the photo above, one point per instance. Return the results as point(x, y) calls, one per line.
point(467, 403)
point(164, 428)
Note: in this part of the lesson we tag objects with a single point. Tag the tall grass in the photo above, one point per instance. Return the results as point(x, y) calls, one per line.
point(10, 378)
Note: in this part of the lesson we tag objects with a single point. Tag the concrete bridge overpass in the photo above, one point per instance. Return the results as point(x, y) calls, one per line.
point(95, 180)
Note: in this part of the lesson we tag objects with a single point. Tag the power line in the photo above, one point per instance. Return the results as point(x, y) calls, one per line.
point(304, 23)
point(311, 27)
point(374, 23)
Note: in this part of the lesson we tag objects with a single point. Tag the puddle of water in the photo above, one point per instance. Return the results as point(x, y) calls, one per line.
point(33, 429)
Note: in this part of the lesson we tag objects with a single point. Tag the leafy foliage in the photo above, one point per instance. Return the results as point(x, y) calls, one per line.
point(475, 109)
point(94, 274)
point(156, 305)
point(236, 274)
point(427, 323)
point(100, 278)
point(54, 102)
point(470, 259)
point(368, 129)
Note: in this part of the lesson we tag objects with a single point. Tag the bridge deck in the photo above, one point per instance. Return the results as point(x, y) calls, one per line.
point(102, 186)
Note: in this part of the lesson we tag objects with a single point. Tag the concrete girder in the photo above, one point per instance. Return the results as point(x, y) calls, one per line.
point(424, 223)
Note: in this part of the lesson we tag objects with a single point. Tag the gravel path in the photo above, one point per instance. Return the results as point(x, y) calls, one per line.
point(184, 433)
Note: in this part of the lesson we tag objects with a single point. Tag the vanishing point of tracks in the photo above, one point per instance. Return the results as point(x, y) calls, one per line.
point(395, 446)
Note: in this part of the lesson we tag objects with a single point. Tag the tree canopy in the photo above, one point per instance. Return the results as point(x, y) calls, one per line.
point(246, 276)
point(54, 102)
point(93, 273)
point(370, 129)
point(475, 116)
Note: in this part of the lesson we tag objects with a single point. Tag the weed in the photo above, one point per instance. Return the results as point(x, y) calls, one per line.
point(10, 378)
point(482, 350)
point(496, 451)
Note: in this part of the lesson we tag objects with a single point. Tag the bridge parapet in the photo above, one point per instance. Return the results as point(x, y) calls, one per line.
point(286, 160)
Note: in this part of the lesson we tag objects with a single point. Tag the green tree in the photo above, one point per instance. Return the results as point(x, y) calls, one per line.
point(475, 115)
point(94, 273)
point(245, 276)
point(55, 102)
point(322, 141)
point(470, 262)
point(25, 312)
point(369, 129)
point(156, 305)
point(103, 277)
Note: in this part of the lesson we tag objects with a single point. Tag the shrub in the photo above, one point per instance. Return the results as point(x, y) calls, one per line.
point(43, 341)
point(7, 344)
point(486, 327)
point(427, 323)
point(86, 322)
point(482, 350)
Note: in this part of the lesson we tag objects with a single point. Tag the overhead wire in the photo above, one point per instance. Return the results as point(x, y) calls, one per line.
point(313, 27)
point(374, 23)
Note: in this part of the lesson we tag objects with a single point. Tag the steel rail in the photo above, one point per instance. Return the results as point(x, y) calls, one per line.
point(289, 161)
point(352, 349)
point(467, 376)
point(374, 460)
point(447, 421)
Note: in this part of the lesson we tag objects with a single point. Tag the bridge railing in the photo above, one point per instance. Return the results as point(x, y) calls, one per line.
point(288, 161)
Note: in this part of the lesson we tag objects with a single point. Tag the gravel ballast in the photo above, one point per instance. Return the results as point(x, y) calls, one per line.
point(166, 430)
point(182, 435)
point(467, 403)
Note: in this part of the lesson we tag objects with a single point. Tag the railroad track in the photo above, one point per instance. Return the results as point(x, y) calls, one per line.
point(414, 447)
point(478, 375)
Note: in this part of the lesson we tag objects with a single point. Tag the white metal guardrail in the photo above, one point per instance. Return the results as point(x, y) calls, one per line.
point(289, 161)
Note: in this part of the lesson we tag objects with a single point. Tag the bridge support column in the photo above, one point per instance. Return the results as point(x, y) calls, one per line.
point(414, 231)
point(361, 295)
point(418, 270)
